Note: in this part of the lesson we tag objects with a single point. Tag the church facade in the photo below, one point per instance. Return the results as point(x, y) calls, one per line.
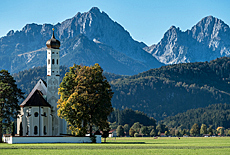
point(38, 113)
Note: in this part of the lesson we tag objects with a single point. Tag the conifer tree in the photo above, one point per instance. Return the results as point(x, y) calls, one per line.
point(9, 95)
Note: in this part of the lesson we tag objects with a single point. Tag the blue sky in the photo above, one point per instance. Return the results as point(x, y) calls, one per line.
point(145, 20)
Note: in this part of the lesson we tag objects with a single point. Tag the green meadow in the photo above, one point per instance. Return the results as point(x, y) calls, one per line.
point(172, 145)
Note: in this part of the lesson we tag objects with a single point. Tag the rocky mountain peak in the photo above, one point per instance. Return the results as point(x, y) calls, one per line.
point(208, 29)
point(172, 34)
point(207, 40)
point(95, 10)
point(10, 33)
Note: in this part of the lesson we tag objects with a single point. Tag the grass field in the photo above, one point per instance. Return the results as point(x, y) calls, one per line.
point(173, 145)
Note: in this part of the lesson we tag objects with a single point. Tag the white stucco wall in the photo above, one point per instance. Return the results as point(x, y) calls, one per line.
point(17, 140)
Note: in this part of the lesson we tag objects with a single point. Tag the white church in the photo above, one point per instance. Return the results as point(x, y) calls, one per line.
point(38, 114)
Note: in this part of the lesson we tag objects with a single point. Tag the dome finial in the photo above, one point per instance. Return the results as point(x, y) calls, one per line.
point(53, 34)
point(53, 42)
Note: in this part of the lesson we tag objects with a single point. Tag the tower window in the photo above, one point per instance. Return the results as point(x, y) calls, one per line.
point(57, 61)
point(52, 61)
point(52, 52)
point(48, 61)
point(35, 130)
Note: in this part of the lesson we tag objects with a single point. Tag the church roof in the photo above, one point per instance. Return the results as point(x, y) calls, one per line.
point(35, 99)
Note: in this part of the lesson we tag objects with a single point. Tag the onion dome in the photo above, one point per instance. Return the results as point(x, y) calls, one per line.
point(53, 42)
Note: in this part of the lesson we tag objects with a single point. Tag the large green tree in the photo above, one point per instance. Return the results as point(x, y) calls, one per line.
point(85, 99)
point(9, 95)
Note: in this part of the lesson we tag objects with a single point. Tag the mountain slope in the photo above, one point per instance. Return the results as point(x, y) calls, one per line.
point(206, 41)
point(171, 89)
point(216, 115)
point(106, 39)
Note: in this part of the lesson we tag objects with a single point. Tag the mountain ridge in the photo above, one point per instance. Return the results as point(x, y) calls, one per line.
point(206, 41)
point(94, 24)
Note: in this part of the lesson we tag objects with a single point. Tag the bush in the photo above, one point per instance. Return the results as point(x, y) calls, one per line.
point(136, 135)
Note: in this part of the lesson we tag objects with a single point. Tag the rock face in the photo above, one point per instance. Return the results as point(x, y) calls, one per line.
point(207, 40)
point(87, 38)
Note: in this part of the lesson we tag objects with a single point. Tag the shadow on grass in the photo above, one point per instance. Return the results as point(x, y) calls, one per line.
point(123, 143)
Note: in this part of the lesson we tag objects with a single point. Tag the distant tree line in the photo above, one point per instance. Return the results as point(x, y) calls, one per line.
point(139, 130)
point(199, 130)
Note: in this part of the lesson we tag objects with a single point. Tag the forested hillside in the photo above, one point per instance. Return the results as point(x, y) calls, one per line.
point(217, 115)
point(161, 92)
point(172, 89)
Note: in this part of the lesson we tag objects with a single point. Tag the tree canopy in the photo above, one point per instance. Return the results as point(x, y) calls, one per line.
point(9, 95)
point(85, 99)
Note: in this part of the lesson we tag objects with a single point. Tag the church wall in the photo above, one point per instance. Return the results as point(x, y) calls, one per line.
point(33, 121)
point(46, 121)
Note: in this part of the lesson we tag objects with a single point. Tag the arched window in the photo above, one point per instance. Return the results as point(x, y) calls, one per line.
point(44, 130)
point(21, 130)
point(36, 114)
point(35, 130)
point(27, 130)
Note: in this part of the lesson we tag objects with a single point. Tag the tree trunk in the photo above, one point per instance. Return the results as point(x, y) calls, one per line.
point(90, 130)
point(1, 131)
point(90, 125)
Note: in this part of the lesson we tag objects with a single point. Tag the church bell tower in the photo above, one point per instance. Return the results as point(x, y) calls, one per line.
point(53, 80)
